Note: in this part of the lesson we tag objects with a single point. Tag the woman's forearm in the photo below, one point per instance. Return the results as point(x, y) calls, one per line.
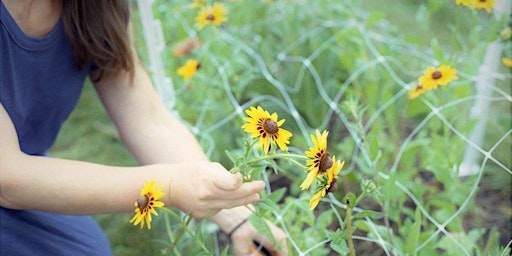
point(73, 187)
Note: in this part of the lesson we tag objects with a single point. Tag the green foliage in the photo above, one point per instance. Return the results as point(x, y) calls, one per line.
point(346, 67)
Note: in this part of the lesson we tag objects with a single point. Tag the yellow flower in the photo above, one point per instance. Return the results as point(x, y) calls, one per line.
point(469, 3)
point(507, 61)
point(319, 160)
point(215, 15)
point(189, 69)
point(416, 91)
point(147, 203)
point(433, 77)
point(484, 4)
point(477, 4)
point(329, 185)
point(261, 123)
point(197, 4)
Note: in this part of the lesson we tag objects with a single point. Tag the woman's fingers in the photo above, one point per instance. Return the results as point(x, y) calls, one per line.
point(206, 188)
point(225, 180)
point(247, 241)
point(231, 185)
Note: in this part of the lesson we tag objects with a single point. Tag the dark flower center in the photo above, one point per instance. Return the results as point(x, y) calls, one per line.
point(333, 186)
point(436, 74)
point(210, 17)
point(270, 126)
point(142, 202)
point(325, 162)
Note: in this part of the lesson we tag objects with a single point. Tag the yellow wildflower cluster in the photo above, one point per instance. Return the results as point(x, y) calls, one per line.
point(321, 167)
point(208, 14)
point(477, 4)
point(215, 15)
point(432, 78)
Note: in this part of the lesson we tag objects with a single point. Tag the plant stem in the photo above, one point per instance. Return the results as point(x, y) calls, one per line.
point(348, 222)
point(182, 230)
point(278, 156)
point(366, 150)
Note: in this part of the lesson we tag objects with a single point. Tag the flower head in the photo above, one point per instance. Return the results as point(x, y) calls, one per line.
point(262, 124)
point(215, 15)
point(197, 4)
point(147, 203)
point(484, 4)
point(189, 69)
point(328, 184)
point(469, 3)
point(433, 77)
point(507, 61)
point(319, 161)
point(417, 90)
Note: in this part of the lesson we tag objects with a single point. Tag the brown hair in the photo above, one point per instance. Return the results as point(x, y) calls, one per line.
point(98, 31)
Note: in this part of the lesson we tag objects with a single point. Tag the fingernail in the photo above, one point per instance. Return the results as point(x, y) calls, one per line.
point(255, 197)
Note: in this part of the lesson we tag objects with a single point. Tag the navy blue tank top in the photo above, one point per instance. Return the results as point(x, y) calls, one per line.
point(40, 84)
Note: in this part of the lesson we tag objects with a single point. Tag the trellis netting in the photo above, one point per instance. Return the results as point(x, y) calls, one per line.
point(347, 67)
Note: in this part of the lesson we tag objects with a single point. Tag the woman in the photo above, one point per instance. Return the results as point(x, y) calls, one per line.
point(48, 48)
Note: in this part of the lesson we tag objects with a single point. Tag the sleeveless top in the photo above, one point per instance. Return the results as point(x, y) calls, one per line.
point(40, 84)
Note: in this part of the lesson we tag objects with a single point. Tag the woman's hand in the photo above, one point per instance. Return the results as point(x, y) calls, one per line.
point(202, 189)
point(247, 241)
point(245, 236)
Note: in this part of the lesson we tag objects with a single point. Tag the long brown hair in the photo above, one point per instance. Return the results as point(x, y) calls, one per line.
point(98, 31)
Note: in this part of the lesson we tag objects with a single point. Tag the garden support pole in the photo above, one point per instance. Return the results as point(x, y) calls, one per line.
point(480, 110)
point(154, 40)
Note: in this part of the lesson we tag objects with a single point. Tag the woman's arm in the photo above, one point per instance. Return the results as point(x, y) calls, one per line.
point(75, 187)
point(154, 135)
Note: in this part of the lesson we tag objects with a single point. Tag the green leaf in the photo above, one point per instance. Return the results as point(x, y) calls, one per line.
point(414, 234)
point(267, 204)
point(262, 227)
point(436, 49)
point(374, 18)
point(225, 251)
point(366, 213)
point(276, 196)
point(338, 242)
point(231, 156)
point(324, 219)
point(374, 149)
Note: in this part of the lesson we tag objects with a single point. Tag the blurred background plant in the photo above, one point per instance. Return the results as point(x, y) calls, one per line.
point(344, 66)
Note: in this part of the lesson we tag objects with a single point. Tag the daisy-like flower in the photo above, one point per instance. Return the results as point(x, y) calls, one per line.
point(319, 161)
point(215, 15)
point(469, 3)
point(507, 61)
point(328, 184)
point(433, 77)
point(260, 123)
point(197, 4)
point(484, 4)
point(416, 91)
point(147, 203)
point(189, 69)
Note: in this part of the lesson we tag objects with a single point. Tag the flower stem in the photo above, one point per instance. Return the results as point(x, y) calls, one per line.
point(348, 222)
point(278, 156)
point(184, 228)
